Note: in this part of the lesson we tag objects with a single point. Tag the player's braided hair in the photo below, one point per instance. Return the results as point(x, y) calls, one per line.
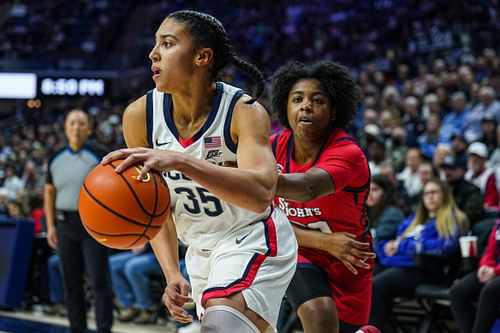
point(335, 79)
point(207, 31)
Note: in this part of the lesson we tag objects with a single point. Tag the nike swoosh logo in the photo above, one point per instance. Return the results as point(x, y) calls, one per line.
point(238, 241)
point(159, 144)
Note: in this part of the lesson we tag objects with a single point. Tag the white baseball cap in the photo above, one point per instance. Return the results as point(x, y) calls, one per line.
point(478, 148)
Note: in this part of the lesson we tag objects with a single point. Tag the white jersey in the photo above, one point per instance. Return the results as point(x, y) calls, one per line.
point(231, 249)
point(201, 218)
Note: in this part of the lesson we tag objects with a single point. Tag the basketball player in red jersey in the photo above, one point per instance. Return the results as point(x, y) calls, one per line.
point(241, 251)
point(322, 187)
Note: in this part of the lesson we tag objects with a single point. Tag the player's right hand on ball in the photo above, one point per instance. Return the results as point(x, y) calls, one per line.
point(176, 294)
point(150, 159)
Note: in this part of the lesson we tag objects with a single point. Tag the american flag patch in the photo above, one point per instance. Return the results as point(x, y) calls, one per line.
point(212, 142)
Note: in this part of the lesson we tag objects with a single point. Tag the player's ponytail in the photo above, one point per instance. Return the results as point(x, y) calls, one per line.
point(252, 71)
point(207, 31)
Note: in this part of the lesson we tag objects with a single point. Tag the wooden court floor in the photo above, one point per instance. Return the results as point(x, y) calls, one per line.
point(38, 322)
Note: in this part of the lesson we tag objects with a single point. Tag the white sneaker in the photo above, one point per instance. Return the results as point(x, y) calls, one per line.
point(194, 327)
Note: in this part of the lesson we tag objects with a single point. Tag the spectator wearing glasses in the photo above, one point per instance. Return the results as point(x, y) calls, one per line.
point(434, 229)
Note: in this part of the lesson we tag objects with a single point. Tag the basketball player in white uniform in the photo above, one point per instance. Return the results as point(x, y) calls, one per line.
point(242, 251)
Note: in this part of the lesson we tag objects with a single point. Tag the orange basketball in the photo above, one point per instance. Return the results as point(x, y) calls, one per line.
point(118, 210)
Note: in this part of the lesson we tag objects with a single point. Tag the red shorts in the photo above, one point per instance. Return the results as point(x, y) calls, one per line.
point(352, 293)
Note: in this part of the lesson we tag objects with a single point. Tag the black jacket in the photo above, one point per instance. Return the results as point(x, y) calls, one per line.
point(469, 199)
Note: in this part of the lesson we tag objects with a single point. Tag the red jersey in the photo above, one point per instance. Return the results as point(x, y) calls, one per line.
point(343, 210)
point(491, 256)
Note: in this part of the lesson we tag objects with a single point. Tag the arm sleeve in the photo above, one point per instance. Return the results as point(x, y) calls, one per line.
point(491, 252)
point(48, 178)
point(346, 164)
point(491, 197)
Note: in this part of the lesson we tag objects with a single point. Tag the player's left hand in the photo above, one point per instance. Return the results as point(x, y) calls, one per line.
point(150, 159)
point(348, 250)
point(176, 294)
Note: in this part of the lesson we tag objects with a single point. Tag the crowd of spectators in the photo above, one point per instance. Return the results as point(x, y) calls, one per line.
point(110, 34)
point(429, 73)
point(26, 144)
point(59, 34)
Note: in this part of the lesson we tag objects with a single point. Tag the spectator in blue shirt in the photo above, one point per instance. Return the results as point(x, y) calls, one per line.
point(433, 230)
point(488, 106)
point(428, 141)
point(452, 123)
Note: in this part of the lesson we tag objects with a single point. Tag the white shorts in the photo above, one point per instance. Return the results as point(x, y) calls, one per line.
point(259, 260)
